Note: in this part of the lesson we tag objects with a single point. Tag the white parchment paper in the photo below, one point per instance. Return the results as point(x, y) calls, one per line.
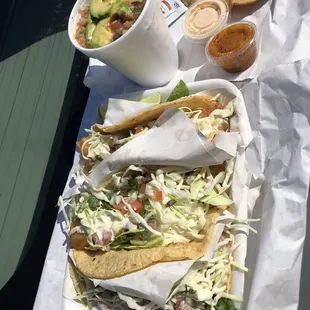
point(154, 283)
point(174, 140)
point(279, 111)
point(283, 30)
point(278, 108)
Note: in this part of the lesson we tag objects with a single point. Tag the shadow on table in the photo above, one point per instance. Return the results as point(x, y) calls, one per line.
point(114, 84)
point(240, 12)
point(32, 20)
point(304, 297)
point(20, 291)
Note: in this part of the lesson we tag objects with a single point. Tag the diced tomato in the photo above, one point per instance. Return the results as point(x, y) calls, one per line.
point(223, 237)
point(128, 18)
point(116, 25)
point(107, 235)
point(82, 22)
point(206, 111)
point(181, 304)
point(138, 129)
point(142, 188)
point(122, 230)
point(121, 207)
point(116, 36)
point(107, 294)
point(224, 126)
point(114, 17)
point(139, 180)
point(153, 224)
point(85, 13)
point(137, 237)
point(179, 300)
point(127, 25)
point(96, 239)
point(215, 170)
point(137, 206)
point(158, 196)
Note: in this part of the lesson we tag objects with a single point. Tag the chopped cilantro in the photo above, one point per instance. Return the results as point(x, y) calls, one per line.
point(225, 304)
point(132, 185)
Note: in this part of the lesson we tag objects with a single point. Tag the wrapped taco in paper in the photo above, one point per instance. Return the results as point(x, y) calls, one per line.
point(208, 113)
point(146, 215)
point(206, 285)
point(153, 218)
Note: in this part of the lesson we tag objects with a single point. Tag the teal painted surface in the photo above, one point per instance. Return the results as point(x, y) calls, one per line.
point(33, 84)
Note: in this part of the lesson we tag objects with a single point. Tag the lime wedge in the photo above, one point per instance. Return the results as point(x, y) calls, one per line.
point(179, 91)
point(156, 98)
point(102, 110)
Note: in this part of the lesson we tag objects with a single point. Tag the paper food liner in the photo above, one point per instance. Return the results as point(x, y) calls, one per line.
point(147, 283)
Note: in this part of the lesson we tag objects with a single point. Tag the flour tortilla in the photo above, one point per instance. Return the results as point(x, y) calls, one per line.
point(114, 264)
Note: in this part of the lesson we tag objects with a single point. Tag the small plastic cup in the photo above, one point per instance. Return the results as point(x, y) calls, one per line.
point(233, 58)
point(146, 53)
point(204, 18)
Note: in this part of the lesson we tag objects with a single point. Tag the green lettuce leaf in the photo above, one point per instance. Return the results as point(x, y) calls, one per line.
point(225, 304)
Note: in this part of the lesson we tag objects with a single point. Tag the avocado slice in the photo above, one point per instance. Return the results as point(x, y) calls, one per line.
point(102, 34)
point(124, 9)
point(100, 8)
point(89, 31)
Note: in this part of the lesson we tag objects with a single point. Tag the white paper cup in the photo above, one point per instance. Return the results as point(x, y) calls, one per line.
point(146, 53)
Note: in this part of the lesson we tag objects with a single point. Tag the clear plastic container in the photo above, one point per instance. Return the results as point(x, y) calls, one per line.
point(204, 18)
point(234, 47)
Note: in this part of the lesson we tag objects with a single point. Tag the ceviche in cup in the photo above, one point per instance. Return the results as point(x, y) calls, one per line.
point(103, 22)
point(131, 36)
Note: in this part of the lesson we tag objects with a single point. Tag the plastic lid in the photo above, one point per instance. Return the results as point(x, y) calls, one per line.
point(204, 18)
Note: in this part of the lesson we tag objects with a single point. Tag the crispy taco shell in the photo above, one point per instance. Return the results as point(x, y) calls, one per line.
point(114, 264)
point(243, 2)
point(79, 286)
point(193, 102)
point(142, 118)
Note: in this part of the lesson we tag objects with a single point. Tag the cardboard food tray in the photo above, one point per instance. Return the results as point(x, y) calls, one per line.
point(213, 87)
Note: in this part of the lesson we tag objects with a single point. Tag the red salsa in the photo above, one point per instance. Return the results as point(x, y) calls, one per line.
point(234, 47)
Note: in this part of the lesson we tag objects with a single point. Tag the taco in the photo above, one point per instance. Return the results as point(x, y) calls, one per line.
point(207, 285)
point(165, 214)
point(208, 114)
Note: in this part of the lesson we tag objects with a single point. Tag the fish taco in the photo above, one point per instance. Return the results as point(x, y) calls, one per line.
point(146, 215)
point(206, 285)
point(209, 115)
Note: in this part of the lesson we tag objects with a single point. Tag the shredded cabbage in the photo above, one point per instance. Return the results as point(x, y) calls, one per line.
point(203, 287)
point(205, 283)
point(172, 203)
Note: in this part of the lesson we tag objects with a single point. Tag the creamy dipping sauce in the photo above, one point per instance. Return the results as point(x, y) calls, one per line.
point(204, 18)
